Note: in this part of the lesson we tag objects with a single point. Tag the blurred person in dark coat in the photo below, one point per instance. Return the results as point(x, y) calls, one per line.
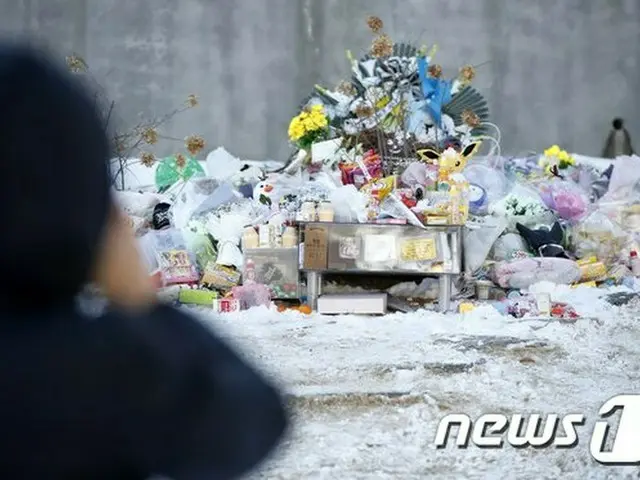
point(143, 390)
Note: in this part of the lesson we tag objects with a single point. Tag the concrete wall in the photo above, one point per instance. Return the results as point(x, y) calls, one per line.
point(553, 71)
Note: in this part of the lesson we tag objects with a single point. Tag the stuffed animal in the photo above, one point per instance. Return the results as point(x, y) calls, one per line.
point(450, 163)
point(264, 192)
point(544, 242)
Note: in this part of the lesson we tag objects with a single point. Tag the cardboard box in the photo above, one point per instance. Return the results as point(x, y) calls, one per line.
point(355, 304)
point(315, 247)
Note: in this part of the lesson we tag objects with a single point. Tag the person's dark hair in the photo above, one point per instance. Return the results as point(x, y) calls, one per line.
point(618, 123)
point(55, 191)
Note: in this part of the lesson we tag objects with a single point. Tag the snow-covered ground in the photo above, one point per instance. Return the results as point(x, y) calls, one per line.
point(368, 393)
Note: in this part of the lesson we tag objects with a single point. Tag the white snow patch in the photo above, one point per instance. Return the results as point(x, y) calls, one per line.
point(582, 365)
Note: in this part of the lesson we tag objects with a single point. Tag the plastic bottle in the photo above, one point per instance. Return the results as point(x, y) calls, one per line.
point(325, 212)
point(250, 238)
point(290, 238)
point(634, 263)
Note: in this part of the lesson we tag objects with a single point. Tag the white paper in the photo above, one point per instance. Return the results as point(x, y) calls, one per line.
point(379, 248)
point(325, 151)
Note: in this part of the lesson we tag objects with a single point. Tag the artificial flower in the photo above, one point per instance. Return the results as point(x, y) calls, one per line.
point(552, 151)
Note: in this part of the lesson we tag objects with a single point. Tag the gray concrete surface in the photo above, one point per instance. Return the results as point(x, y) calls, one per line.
point(554, 72)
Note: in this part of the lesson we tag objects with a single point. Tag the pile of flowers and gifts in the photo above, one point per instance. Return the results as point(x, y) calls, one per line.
point(397, 143)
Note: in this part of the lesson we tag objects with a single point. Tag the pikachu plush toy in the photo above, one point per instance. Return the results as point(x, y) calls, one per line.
point(450, 164)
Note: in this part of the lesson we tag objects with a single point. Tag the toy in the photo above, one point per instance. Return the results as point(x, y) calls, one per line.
point(264, 193)
point(451, 163)
point(546, 242)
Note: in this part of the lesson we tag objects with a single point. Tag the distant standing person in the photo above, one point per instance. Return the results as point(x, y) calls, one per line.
point(618, 142)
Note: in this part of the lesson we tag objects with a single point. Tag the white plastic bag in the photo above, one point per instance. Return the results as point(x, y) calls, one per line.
point(523, 273)
point(199, 196)
point(509, 247)
point(136, 204)
point(478, 240)
point(221, 165)
point(349, 205)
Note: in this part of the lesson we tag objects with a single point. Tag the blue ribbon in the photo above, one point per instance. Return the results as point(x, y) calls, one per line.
point(437, 93)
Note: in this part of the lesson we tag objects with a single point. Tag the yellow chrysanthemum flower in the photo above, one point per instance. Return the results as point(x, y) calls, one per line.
point(563, 156)
point(315, 121)
point(296, 129)
point(552, 151)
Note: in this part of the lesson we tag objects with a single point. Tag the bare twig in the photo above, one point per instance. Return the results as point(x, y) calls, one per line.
point(129, 143)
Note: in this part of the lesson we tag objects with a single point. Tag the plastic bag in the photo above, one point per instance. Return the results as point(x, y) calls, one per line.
point(174, 260)
point(510, 246)
point(251, 295)
point(419, 174)
point(221, 165)
point(200, 195)
point(137, 204)
point(522, 205)
point(392, 206)
point(601, 236)
point(427, 289)
point(491, 180)
point(525, 272)
point(478, 240)
point(565, 198)
point(624, 177)
point(349, 205)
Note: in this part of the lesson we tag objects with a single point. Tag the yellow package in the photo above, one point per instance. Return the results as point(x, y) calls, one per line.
point(466, 307)
point(418, 249)
point(586, 261)
point(437, 220)
point(380, 188)
point(592, 271)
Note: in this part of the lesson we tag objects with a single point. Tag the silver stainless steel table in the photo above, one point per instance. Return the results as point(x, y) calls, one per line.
point(347, 249)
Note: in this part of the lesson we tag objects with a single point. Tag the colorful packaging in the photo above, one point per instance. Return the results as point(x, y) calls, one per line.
point(176, 267)
point(226, 305)
point(190, 296)
point(354, 174)
point(592, 271)
point(220, 277)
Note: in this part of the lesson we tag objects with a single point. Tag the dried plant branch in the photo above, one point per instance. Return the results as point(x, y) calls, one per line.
point(128, 144)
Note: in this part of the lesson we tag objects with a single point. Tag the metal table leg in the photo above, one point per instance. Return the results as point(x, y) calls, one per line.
point(314, 280)
point(444, 295)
